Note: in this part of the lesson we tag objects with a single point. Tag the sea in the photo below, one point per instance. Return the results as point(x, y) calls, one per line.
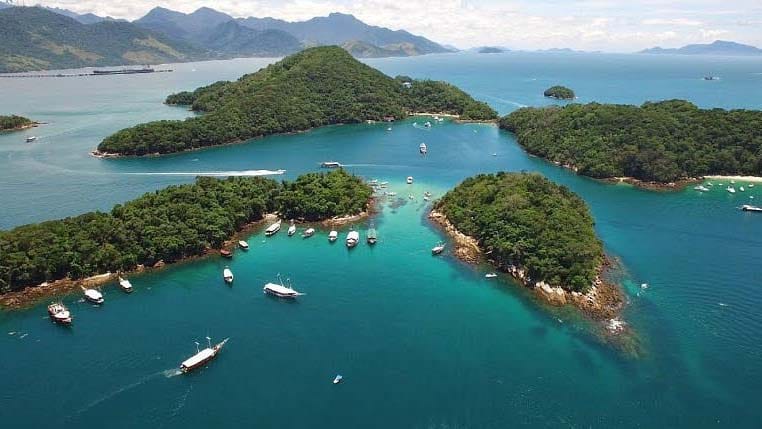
point(421, 341)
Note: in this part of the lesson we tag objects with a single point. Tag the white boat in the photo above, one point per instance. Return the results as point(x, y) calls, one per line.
point(373, 182)
point(439, 248)
point(291, 230)
point(732, 182)
point(427, 124)
point(31, 139)
point(280, 290)
point(490, 275)
point(243, 245)
point(309, 232)
point(389, 129)
point(330, 164)
point(353, 237)
point(390, 194)
point(709, 184)
point(751, 185)
point(494, 153)
point(59, 313)
point(423, 149)
point(202, 356)
point(337, 379)
point(409, 180)
point(333, 236)
point(750, 208)
point(125, 285)
point(742, 189)
point(272, 229)
point(731, 189)
point(701, 188)
point(227, 275)
point(93, 296)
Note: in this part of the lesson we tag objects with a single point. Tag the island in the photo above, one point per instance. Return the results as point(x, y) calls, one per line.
point(15, 123)
point(169, 225)
point(559, 92)
point(657, 145)
point(490, 50)
point(315, 87)
point(539, 232)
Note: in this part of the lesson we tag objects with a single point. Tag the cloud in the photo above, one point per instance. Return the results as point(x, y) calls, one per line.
point(672, 22)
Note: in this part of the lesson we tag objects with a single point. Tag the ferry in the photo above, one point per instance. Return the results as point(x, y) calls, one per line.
point(409, 180)
point(352, 239)
point(372, 236)
point(423, 149)
point(227, 275)
point(309, 232)
point(125, 285)
point(243, 245)
point(280, 290)
point(438, 249)
point(330, 164)
point(291, 229)
point(272, 229)
point(225, 253)
point(750, 208)
point(93, 296)
point(202, 356)
point(333, 236)
point(31, 139)
point(59, 313)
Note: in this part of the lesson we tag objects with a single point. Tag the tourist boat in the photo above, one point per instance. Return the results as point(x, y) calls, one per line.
point(31, 139)
point(439, 248)
point(423, 149)
point(337, 379)
point(291, 229)
point(93, 296)
point(330, 164)
point(227, 275)
point(701, 188)
point(372, 237)
point(333, 236)
point(125, 285)
point(490, 275)
point(731, 189)
point(427, 124)
point(202, 356)
point(280, 290)
point(272, 229)
point(750, 208)
point(353, 237)
point(742, 189)
point(309, 232)
point(243, 245)
point(225, 253)
point(59, 313)
point(409, 180)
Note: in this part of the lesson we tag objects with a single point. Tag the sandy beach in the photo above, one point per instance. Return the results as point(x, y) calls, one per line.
point(736, 178)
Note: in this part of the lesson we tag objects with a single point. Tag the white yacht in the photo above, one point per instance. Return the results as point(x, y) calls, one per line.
point(227, 275)
point(59, 313)
point(409, 180)
point(731, 189)
point(272, 229)
point(243, 245)
point(93, 296)
point(353, 237)
point(750, 208)
point(291, 230)
point(280, 290)
point(309, 232)
point(125, 285)
point(333, 236)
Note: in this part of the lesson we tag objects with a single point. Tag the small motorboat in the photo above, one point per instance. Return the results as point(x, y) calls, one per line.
point(280, 290)
point(701, 188)
point(227, 275)
point(644, 286)
point(409, 180)
point(427, 124)
point(731, 189)
point(494, 154)
point(30, 139)
point(225, 253)
point(410, 196)
point(750, 208)
point(243, 245)
point(291, 230)
point(438, 249)
point(751, 185)
point(272, 229)
point(309, 232)
point(125, 285)
point(742, 189)
point(389, 129)
point(93, 295)
point(59, 313)
point(202, 356)
point(490, 275)
point(333, 236)
point(423, 149)
point(353, 237)
point(337, 379)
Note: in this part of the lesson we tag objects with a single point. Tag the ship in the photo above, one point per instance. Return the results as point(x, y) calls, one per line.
point(202, 356)
point(750, 208)
point(59, 313)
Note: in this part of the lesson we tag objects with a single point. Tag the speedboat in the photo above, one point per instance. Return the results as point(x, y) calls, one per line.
point(333, 236)
point(701, 188)
point(125, 285)
point(750, 208)
point(409, 180)
point(93, 296)
point(731, 189)
point(31, 139)
point(243, 245)
point(439, 248)
point(280, 290)
point(423, 149)
point(202, 356)
point(291, 230)
point(59, 313)
point(490, 275)
point(337, 379)
point(309, 232)
point(227, 275)
point(272, 229)
point(353, 237)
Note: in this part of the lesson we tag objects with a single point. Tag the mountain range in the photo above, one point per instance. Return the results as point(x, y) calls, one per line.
point(718, 47)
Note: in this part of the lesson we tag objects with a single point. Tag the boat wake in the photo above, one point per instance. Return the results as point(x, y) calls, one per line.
point(115, 393)
point(171, 372)
point(211, 173)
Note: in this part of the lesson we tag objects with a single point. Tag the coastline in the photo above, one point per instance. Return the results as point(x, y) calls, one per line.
point(754, 179)
point(22, 127)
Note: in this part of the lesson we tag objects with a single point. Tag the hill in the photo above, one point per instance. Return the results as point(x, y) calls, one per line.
point(362, 49)
point(559, 92)
point(316, 87)
point(718, 47)
point(32, 38)
point(14, 122)
point(490, 50)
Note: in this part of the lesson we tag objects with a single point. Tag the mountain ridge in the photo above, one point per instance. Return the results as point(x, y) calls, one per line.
point(718, 47)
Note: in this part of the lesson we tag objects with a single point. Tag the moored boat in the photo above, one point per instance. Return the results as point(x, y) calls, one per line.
point(750, 208)
point(439, 248)
point(272, 229)
point(93, 295)
point(280, 290)
point(409, 180)
point(333, 236)
point(390, 194)
point(309, 232)
point(701, 188)
point(291, 229)
point(202, 356)
point(423, 149)
point(227, 275)
point(353, 237)
point(742, 189)
point(243, 245)
point(125, 285)
point(490, 275)
point(372, 237)
point(59, 313)
point(427, 124)
point(225, 253)
point(31, 139)
point(731, 189)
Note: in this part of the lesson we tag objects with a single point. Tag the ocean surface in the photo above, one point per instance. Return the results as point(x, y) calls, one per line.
point(422, 341)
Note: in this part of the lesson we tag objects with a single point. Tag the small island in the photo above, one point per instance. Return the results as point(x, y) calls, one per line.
point(490, 50)
point(559, 93)
point(659, 145)
point(316, 87)
point(15, 123)
point(165, 226)
point(539, 232)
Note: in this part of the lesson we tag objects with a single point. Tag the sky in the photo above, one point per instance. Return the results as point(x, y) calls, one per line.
point(605, 25)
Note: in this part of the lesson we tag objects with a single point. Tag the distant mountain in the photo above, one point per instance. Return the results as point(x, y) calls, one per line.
point(33, 38)
point(362, 49)
point(87, 18)
point(718, 47)
point(490, 50)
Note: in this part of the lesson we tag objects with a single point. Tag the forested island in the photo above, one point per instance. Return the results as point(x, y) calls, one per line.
point(539, 232)
point(167, 225)
point(14, 122)
point(559, 92)
point(656, 144)
point(316, 87)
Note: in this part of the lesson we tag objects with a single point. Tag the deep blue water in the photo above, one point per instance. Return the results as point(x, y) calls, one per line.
point(421, 341)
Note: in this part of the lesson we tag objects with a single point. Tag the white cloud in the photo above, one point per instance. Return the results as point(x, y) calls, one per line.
point(672, 22)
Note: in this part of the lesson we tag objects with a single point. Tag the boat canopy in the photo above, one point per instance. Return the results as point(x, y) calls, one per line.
point(198, 358)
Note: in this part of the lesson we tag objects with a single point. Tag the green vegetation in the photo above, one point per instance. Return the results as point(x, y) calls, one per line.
point(559, 92)
point(316, 87)
point(169, 225)
point(527, 221)
point(13, 122)
point(657, 142)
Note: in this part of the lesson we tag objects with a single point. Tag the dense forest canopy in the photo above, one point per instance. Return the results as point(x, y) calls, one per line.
point(560, 92)
point(527, 221)
point(656, 142)
point(13, 122)
point(169, 225)
point(318, 86)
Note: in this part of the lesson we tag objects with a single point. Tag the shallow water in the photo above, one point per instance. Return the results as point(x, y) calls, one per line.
point(421, 341)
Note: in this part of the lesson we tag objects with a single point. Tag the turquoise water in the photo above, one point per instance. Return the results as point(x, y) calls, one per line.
point(422, 342)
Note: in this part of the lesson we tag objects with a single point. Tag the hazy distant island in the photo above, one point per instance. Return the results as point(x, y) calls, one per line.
point(14, 123)
point(559, 92)
point(539, 232)
point(659, 144)
point(490, 50)
point(718, 47)
point(165, 226)
point(316, 87)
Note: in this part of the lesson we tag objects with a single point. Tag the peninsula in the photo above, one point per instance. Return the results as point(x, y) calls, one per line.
point(539, 232)
point(657, 145)
point(559, 92)
point(316, 87)
point(165, 226)
point(15, 123)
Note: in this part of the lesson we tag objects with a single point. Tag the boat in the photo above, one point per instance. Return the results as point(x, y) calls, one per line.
point(243, 245)
point(409, 180)
point(309, 232)
point(31, 139)
point(423, 149)
point(59, 313)
point(389, 129)
point(494, 153)
point(125, 285)
point(426, 198)
point(731, 189)
point(333, 236)
point(383, 184)
point(280, 290)
point(732, 182)
point(391, 194)
point(337, 379)
point(372, 237)
point(330, 164)
point(291, 230)
point(490, 275)
point(410, 196)
point(272, 229)
point(373, 182)
point(93, 295)
point(438, 249)
point(427, 124)
point(227, 275)
point(225, 253)
point(352, 238)
point(710, 77)
point(751, 185)
point(701, 188)
point(742, 189)
point(750, 208)
point(202, 356)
